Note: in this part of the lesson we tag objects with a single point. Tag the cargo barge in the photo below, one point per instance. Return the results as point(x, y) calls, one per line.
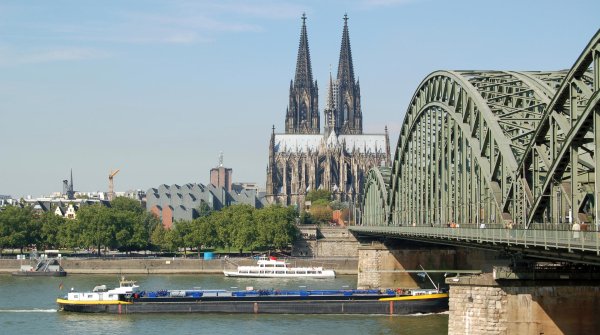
point(129, 299)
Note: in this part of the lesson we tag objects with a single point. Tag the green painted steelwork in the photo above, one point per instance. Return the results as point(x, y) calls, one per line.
point(563, 245)
point(375, 206)
point(496, 148)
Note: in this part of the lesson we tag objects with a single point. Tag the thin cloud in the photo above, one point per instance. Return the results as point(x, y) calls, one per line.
point(189, 22)
point(10, 57)
point(386, 3)
point(262, 9)
point(175, 22)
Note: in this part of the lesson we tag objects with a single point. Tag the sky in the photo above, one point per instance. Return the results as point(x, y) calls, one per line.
point(158, 88)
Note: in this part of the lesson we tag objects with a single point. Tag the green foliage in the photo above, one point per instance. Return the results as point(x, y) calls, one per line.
point(50, 230)
point(238, 227)
point(338, 205)
point(157, 239)
point(203, 209)
point(321, 214)
point(126, 226)
point(315, 195)
point(306, 218)
point(320, 202)
point(18, 227)
point(127, 205)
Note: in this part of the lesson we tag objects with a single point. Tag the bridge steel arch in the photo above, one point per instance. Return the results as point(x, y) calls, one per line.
point(461, 143)
point(560, 168)
point(495, 146)
point(375, 203)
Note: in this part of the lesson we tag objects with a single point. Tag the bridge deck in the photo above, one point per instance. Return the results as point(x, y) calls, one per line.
point(554, 244)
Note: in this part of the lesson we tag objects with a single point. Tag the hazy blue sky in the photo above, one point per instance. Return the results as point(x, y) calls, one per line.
point(158, 88)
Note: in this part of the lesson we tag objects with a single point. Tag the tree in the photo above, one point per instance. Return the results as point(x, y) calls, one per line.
point(223, 225)
point(306, 218)
point(70, 234)
point(18, 228)
point(50, 230)
point(243, 233)
point(203, 209)
point(338, 205)
point(172, 240)
point(322, 214)
point(275, 227)
point(97, 225)
point(158, 237)
point(183, 230)
point(203, 233)
point(127, 205)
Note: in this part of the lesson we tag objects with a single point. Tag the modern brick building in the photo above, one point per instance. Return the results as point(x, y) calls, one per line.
point(174, 202)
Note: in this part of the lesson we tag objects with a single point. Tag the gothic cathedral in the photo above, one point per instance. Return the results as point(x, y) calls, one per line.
point(303, 158)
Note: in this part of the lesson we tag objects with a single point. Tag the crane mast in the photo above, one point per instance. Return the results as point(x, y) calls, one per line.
point(111, 184)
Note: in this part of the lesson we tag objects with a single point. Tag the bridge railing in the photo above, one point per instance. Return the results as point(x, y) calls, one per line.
point(588, 241)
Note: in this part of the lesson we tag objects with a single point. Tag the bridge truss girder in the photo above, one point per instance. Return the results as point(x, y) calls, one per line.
point(496, 146)
point(560, 165)
point(375, 209)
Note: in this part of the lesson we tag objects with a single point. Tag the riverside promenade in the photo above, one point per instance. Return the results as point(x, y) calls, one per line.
point(177, 265)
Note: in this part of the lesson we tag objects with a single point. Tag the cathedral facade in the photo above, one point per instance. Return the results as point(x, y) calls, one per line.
point(338, 159)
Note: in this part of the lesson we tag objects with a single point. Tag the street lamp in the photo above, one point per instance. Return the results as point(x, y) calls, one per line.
point(559, 205)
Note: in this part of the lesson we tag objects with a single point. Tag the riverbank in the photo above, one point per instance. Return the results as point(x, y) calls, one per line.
point(177, 265)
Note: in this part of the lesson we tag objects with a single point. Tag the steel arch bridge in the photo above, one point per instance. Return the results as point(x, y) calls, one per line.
point(497, 147)
point(375, 204)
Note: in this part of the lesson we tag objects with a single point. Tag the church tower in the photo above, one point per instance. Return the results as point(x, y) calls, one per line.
point(330, 111)
point(349, 118)
point(302, 116)
point(338, 160)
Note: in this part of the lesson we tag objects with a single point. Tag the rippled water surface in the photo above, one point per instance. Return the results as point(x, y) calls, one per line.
point(27, 306)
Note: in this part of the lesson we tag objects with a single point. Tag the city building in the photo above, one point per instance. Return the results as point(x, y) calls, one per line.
point(6, 200)
point(220, 176)
point(185, 202)
point(338, 160)
point(68, 190)
point(60, 206)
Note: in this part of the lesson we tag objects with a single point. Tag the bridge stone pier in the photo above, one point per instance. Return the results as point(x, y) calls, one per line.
point(397, 263)
point(479, 304)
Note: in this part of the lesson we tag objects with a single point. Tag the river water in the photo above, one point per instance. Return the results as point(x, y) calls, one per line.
point(27, 306)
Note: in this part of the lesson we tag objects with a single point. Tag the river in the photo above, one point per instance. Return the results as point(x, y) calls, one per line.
point(27, 306)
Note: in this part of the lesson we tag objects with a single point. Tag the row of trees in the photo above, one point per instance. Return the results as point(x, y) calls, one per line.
point(238, 227)
point(126, 226)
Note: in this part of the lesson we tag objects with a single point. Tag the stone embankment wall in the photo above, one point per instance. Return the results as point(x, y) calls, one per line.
point(177, 265)
point(480, 305)
point(325, 242)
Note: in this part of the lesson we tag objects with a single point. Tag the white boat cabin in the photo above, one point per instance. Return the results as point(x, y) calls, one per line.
point(272, 267)
point(100, 293)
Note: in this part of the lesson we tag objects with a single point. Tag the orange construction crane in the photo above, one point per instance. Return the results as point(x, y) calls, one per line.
point(111, 184)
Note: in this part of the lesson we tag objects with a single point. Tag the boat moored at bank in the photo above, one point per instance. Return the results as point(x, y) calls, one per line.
point(271, 267)
point(47, 264)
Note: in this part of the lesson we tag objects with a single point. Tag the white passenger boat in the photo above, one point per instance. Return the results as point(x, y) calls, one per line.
point(271, 267)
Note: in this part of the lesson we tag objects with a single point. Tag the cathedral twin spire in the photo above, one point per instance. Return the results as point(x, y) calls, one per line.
point(342, 113)
point(302, 116)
